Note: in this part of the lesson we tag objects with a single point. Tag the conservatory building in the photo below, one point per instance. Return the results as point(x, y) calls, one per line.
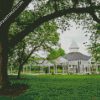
point(77, 62)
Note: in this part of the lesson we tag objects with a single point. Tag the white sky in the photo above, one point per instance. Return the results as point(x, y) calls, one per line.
point(78, 35)
point(66, 38)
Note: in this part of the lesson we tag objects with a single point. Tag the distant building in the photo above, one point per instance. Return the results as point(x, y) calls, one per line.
point(74, 62)
point(77, 62)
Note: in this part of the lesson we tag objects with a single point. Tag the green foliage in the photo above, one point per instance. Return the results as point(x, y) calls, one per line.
point(21, 21)
point(95, 43)
point(44, 7)
point(55, 54)
point(43, 37)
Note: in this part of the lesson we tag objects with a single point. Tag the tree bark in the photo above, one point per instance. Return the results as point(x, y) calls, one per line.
point(5, 8)
point(3, 57)
point(25, 60)
point(19, 71)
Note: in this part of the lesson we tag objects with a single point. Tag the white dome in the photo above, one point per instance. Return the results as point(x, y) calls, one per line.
point(73, 47)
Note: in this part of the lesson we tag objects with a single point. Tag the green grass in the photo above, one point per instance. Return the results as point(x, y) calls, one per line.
point(60, 87)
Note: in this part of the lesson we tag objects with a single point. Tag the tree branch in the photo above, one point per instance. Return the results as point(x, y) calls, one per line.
point(95, 18)
point(9, 18)
point(46, 18)
point(32, 51)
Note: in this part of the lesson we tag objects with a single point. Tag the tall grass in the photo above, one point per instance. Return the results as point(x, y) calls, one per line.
point(59, 87)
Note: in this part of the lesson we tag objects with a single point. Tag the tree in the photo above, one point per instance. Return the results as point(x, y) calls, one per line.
point(10, 10)
point(94, 47)
point(55, 53)
point(33, 42)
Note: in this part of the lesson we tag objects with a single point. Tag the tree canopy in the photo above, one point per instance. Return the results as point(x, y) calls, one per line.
point(43, 37)
point(61, 11)
point(44, 10)
point(55, 53)
point(94, 47)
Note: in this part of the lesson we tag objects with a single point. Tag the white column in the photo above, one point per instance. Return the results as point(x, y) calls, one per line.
point(49, 69)
point(83, 68)
point(96, 65)
point(63, 69)
point(89, 68)
point(73, 69)
point(68, 68)
point(56, 69)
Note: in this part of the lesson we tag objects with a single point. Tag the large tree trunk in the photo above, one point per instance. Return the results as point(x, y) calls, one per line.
point(5, 8)
point(3, 56)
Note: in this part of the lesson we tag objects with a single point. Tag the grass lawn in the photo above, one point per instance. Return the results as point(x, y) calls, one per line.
point(59, 87)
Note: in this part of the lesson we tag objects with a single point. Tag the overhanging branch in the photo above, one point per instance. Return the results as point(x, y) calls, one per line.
point(46, 18)
point(95, 18)
point(9, 18)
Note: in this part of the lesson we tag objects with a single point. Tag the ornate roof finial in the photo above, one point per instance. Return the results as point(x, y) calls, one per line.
point(73, 47)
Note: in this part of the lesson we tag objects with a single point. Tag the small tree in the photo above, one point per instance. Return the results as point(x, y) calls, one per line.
point(94, 47)
point(33, 42)
point(54, 54)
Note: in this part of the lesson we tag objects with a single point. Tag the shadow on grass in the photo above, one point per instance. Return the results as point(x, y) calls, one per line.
point(14, 90)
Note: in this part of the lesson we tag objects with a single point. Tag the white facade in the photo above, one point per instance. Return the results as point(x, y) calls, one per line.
point(79, 66)
point(77, 62)
point(74, 62)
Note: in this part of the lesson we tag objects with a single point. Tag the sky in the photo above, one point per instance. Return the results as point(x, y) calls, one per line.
point(74, 34)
